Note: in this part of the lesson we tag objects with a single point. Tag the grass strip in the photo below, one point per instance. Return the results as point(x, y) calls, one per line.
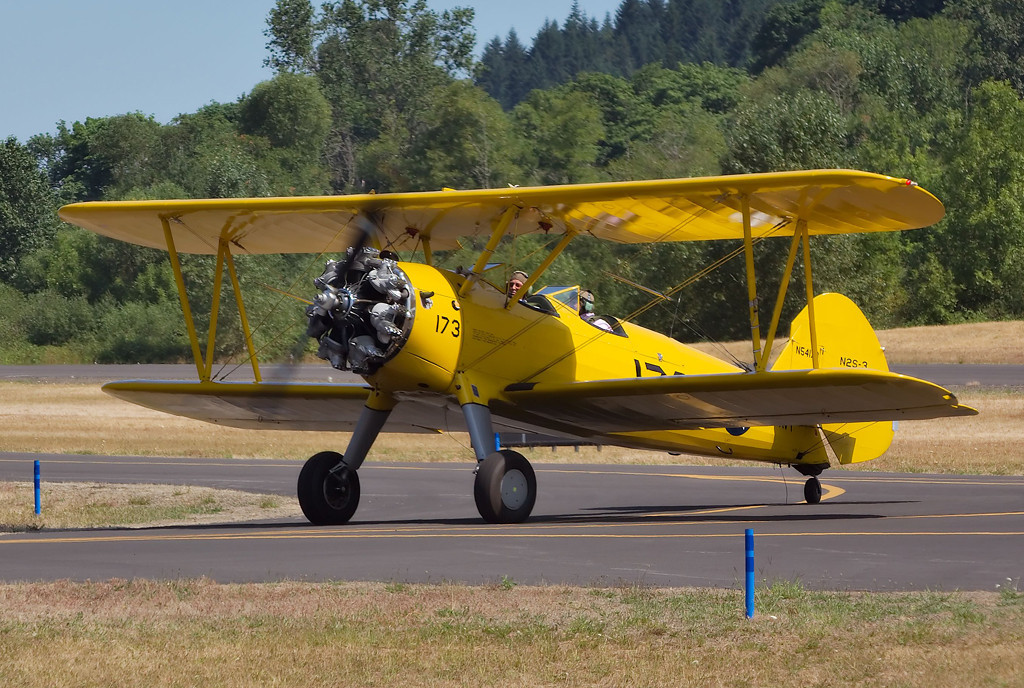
point(197, 632)
point(101, 505)
point(83, 420)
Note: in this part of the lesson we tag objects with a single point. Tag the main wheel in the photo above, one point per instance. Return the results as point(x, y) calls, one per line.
point(812, 491)
point(505, 488)
point(327, 498)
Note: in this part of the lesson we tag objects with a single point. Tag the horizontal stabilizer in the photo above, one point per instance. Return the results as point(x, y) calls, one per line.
point(859, 442)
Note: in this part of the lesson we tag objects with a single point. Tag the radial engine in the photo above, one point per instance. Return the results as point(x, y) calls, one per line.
point(364, 312)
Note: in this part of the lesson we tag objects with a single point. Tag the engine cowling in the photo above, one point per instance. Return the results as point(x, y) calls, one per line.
point(399, 326)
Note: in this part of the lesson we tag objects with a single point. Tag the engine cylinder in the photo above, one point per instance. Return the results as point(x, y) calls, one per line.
point(363, 313)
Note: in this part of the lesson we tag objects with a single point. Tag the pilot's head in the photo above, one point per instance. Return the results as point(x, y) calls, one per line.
point(586, 301)
point(516, 281)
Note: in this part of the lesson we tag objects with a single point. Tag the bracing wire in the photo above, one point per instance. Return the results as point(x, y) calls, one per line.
point(275, 306)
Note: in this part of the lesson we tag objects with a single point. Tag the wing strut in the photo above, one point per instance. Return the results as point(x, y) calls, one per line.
point(242, 315)
point(748, 250)
point(428, 254)
point(499, 231)
point(569, 235)
point(204, 364)
point(186, 310)
point(802, 225)
point(779, 301)
point(800, 235)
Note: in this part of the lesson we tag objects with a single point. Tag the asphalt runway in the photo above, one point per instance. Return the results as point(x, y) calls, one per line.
point(593, 524)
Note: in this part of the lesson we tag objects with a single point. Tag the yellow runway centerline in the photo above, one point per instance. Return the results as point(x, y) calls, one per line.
point(348, 535)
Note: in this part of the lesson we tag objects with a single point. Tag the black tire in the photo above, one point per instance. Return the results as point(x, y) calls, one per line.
point(506, 487)
point(327, 499)
point(812, 491)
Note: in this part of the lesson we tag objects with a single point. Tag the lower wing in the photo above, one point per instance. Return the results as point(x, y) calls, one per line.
point(805, 397)
point(800, 397)
point(284, 406)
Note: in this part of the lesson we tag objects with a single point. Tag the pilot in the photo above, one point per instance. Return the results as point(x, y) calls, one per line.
point(587, 311)
point(515, 282)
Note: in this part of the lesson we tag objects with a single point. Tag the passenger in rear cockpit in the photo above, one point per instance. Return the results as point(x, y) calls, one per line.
point(587, 311)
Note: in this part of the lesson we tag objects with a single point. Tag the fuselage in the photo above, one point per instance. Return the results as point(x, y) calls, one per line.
point(471, 347)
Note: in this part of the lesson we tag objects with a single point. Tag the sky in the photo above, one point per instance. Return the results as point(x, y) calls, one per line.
point(66, 60)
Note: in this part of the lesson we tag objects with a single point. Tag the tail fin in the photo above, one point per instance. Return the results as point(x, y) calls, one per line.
point(845, 340)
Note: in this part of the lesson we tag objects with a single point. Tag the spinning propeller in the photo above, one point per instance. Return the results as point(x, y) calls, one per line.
point(361, 315)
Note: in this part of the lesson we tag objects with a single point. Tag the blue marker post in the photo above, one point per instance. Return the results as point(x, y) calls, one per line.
point(39, 495)
point(749, 539)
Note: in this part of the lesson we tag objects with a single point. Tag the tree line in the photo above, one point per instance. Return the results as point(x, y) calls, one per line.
point(386, 95)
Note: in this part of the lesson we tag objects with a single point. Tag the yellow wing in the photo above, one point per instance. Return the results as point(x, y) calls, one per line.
point(275, 406)
point(831, 201)
point(803, 397)
point(290, 406)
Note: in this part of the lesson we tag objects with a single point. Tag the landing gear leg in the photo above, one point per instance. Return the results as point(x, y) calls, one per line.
point(328, 485)
point(505, 488)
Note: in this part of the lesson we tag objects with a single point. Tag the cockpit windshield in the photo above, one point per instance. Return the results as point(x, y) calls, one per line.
point(570, 296)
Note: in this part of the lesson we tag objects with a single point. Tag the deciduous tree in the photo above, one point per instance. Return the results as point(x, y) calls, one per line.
point(27, 207)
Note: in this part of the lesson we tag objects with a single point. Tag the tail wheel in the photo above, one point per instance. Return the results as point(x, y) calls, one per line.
point(812, 491)
point(505, 488)
point(327, 497)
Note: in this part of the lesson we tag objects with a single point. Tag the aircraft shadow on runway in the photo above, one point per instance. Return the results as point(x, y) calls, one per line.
point(678, 513)
point(618, 515)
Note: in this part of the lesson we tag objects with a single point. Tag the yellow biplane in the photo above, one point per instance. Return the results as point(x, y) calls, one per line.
point(451, 350)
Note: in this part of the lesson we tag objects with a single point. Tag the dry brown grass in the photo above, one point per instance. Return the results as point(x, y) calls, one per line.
point(990, 342)
point(990, 443)
point(198, 633)
point(95, 505)
point(80, 419)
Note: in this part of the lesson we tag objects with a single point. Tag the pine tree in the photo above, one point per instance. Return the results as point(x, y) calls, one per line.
point(638, 22)
point(642, 32)
point(492, 72)
point(520, 76)
point(547, 57)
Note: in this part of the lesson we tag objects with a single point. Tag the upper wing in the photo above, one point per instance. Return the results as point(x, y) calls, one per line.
point(831, 201)
point(803, 397)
